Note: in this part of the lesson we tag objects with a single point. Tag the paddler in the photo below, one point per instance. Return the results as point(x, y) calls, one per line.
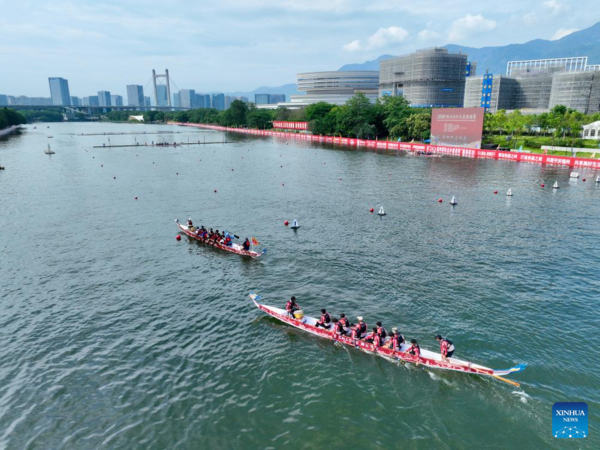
point(291, 306)
point(325, 320)
point(345, 323)
point(396, 340)
point(228, 241)
point(414, 349)
point(374, 338)
point(246, 245)
point(381, 331)
point(190, 223)
point(360, 329)
point(338, 328)
point(446, 347)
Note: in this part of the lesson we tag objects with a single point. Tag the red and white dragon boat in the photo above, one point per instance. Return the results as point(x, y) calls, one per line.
point(427, 358)
point(235, 248)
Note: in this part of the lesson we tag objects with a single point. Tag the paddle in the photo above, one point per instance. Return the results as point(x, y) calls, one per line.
point(514, 383)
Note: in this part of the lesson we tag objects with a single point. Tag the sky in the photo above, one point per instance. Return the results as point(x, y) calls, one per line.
point(240, 45)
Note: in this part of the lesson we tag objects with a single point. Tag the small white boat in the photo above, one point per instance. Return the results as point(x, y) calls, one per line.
point(381, 212)
point(295, 225)
point(453, 201)
point(509, 193)
point(49, 151)
point(555, 186)
point(574, 175)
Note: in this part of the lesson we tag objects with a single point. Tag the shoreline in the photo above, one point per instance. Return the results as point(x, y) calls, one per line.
point(535, 158)
point(9, 130)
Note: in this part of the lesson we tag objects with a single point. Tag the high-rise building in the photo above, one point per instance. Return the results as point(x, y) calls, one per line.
point(59, 91)
point(176, 100)
point(161, 94)
point(135, 95)
point(245, 99)
point(426, 78)
point(262, 99)
point(3, 100)
point(147, 101)
point(75, 101)
point(116, 100)
point(276, 98)
point(104, 98)
point(228, 100)
point(187, 97)
point(11, 100)
point(92, 100)
point(218, 101)
point(571, 64)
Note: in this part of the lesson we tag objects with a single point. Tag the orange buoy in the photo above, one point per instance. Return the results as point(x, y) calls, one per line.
point(177, 238)
point(286, 223)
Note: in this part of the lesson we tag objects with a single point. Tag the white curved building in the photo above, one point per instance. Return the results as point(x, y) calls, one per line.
point(335, 87)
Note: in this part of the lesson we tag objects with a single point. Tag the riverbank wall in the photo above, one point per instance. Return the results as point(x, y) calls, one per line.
point(414, 147)
point(9, 130)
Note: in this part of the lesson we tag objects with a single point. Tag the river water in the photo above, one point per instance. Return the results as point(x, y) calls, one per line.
point(115, 335)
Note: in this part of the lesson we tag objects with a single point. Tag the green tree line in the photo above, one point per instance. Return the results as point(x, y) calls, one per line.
point(10, 117)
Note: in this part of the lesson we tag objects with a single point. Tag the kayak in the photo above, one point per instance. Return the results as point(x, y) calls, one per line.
point(428, 358)
point(235, 248)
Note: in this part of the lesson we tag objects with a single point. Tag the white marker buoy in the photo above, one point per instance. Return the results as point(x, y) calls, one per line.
point(556, 186)
point(598, 179)
point(453, 201)
point(381, 212)
point(509, 193)
point(295, 225)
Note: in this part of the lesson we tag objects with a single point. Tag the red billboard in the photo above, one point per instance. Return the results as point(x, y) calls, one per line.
point(290, 125)
point(458, 127)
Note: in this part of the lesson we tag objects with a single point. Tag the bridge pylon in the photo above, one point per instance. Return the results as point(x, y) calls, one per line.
point(166, 76)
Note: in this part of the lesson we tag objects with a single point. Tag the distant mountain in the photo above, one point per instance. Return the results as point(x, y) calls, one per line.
point(369, 65)
point(581, 43)
point(287, 89)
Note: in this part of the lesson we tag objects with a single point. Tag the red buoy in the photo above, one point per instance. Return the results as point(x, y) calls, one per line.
point(583, 179)
point(495, 192)
point(215, 191)
point(543, 185)
point(177, 238)
point(440, 200)
point(136, 198)
point(286, 223)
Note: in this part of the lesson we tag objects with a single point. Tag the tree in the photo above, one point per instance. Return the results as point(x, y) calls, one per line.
point(354, 115)
point(260, 118)
point(395, 111)
point(236, 114)
point(318, 110)
point(419, 125)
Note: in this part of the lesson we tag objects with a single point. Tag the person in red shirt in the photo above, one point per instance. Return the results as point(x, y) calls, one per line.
point(345, 323)
point(414, 349)
point(396, 340)
point(291, 306)
point(374, 338)
point(446, 347)
point(325, 320)
point(338, 328)
point(382, 331)
point(360, 329)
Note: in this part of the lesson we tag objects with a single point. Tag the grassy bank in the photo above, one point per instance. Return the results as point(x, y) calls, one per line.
point(533, 144)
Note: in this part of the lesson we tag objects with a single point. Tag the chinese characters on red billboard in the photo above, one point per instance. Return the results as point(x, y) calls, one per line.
point(290, 125)
point(459, 127)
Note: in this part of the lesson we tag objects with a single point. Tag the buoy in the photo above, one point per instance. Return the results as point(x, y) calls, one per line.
point(177, 238)
point(598, 179)
point(509, 193)
point(114, 178)
point(101, 165)
point(543, 185)
point(136, 198)
point(556, 186)
point(283, 184)
point(453, 201)
point(177, 173)
point(583, 179)
point(381, 212)
point(440, 200)
point(215, 191)
point(495, 192)
point(286, 223)
point(295, 225)
point(371, 210)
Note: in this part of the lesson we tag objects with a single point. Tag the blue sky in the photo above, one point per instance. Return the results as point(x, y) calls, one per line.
point(237, 45)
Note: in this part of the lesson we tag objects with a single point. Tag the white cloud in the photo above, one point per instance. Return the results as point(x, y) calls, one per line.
point(562, 32)
point(554, 6)
point(470, 25)
point(382, 38)
point(353, 46)
point(428, 35)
